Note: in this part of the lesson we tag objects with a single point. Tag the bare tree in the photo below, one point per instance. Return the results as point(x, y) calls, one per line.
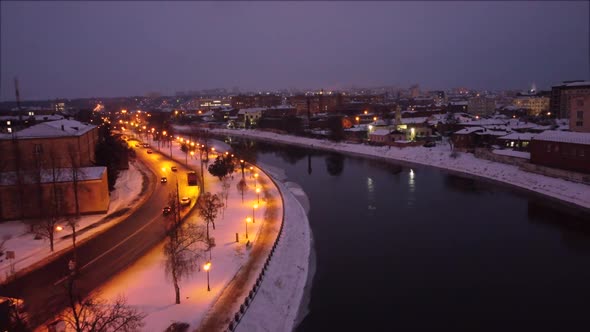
point(208, 207)
point(93, 314)
point(183, 248)
point(77, 173)
point(225, 185)
point(186, 244)
point(242, 186)
point(46, 227)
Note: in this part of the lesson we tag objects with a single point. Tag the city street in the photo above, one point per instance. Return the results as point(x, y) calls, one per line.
point(102, 256)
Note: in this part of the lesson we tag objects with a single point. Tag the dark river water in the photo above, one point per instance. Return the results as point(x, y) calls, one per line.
point(416, 249)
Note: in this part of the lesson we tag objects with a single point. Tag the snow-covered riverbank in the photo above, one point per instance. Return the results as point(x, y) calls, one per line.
point(575, 194)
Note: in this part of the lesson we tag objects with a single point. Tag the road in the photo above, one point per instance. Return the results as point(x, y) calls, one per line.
point(102, 256)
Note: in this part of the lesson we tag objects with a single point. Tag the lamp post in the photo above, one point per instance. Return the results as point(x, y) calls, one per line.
point(251, 171)
point(254, 207)
point(242, 166)
point(258, 194)
point(248, 220)
point(256, 180)
point(207, 267)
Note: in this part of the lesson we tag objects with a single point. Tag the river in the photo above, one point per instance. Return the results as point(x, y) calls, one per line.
point(417, 249)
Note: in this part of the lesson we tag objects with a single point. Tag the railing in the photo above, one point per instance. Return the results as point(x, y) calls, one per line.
point(254, 290)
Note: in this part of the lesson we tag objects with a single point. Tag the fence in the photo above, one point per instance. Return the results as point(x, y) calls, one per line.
point(237, 317)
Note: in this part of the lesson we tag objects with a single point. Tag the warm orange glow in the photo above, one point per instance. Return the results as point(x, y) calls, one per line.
point(366, 112)
point(59, 228)
point(207, 266)
point(256, 206)
point(256, 175)
point(212, 149)
point(357, 118)
point(258, 190)
point(164, 133)
point(374, 118)
point(248, 220)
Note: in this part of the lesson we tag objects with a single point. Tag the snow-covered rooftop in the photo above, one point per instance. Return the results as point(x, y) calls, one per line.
point(469, 130)
point(519, 136)
point(380, 132)
point(414, 120)
point(59, 128)
point(564, 137)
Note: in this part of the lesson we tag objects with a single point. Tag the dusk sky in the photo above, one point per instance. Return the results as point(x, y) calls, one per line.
point(104, 49)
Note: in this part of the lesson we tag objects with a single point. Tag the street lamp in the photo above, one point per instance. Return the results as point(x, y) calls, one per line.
point(256, 180)
point(207, 267)
point(242, 166)
point(251, 170)
point(248, 220)
point(254, 207)
point(258, 194)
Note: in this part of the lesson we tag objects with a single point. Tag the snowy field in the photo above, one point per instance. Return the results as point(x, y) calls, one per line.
point(29, 251)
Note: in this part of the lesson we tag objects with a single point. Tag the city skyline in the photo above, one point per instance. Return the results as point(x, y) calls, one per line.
point(80, 50)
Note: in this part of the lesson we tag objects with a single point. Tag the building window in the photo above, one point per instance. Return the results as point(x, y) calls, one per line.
point(38, 149)
point(580, 102)
point(581, 152)
point(579, 123)
point(580, 115)
point(548, 147)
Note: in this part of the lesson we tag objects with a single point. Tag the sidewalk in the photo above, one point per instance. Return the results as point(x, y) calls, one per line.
point(131, 189)
point(149, 289)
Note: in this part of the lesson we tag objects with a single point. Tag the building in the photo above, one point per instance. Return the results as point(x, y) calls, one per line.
point(317, 103)
point(253, 101)
point(562, 149)
point(560, 95)
point(481, 105)
point(580, 113)
point(534, 104)
point(51, 161)
point(32, 193)
point(248, 117)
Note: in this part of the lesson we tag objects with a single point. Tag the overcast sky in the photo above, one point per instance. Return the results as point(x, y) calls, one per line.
point(84, 49)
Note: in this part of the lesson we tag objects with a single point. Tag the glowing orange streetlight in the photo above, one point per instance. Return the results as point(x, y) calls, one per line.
point(248, 220)
point(254, 207)
point(258, 194)
point(207, 267)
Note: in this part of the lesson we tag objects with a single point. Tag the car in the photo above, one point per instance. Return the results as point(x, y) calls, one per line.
point(145, 145)
point(185, 200)
point(166, 210)
point(429, 144)
point(137, 145)
point(174, 168)
point(164, 179)
point(149, 151)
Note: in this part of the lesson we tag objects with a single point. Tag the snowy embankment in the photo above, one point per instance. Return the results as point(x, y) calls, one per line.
point(576, 194)
point(276, 305)
point(29, 252)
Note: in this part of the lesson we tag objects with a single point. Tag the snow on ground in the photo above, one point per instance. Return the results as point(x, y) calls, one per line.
point(29, 251)
point(277, 302)
point(440, 156)
point(146, 285)
point(512, 153)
